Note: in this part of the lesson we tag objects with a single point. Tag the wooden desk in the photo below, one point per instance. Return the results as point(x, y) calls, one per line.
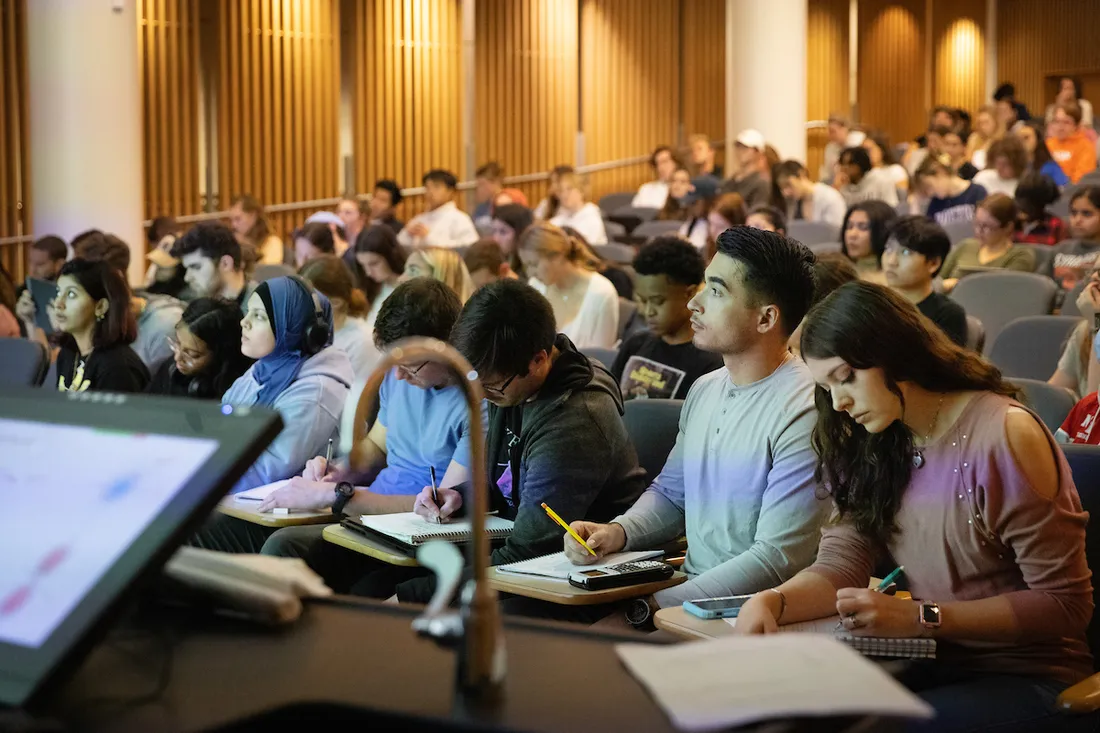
point(356, 542)
point(247, 512)
point(560, 592)
point(683, 625)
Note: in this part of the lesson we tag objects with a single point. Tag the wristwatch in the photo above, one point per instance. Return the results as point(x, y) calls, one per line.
point(639, 614)
point(344, 492)
point(930, 617)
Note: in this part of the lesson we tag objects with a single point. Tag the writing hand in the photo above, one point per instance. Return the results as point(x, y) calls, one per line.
point(604, 539)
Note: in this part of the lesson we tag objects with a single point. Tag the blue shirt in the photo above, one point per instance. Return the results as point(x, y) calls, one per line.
point(424, 427)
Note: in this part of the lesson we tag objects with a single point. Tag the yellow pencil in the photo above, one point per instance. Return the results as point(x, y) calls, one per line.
point(568, 529)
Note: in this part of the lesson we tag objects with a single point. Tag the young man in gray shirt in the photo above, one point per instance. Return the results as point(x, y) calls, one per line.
point(740, 478)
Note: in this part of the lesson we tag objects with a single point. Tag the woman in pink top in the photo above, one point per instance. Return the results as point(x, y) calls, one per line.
point(933, 465)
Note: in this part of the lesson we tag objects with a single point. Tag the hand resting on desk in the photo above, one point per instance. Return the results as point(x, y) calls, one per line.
point(604, 539)
point(301, 494)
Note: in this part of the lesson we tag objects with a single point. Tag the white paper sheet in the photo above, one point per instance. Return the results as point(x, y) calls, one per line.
point(260, 492)
point(558, 565)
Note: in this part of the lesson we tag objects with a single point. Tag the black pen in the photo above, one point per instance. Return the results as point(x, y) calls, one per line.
point(435, 495)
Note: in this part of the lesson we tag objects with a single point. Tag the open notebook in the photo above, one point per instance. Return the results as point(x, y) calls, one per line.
point(409, 529)
point(558, 566)
point(870, 646)
point(260, 492)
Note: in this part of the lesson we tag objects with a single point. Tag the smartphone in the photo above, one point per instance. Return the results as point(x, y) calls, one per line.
point(711, 608)
point(43, 292)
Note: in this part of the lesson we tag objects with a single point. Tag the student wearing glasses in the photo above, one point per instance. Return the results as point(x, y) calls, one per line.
point(206, 351)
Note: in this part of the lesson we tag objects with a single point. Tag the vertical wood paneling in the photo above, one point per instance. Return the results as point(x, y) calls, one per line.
point(827, 47)
point(14, 135)
point(407, 91)
point(958, 33)
point(891, 66)
point(704, 72)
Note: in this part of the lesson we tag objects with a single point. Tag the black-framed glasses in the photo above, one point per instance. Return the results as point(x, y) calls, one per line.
point(499, 391)
point(412, 372)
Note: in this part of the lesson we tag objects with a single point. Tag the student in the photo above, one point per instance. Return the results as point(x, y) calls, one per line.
point(1007, 162)
point(1069, 146)
point(749, 180)
point(883, 161)
point(994, 224)
point(933, 465)
point(806, 200)
point(486, 263)
point(555, 430)
point(662, 362)
point(287, 329)
point(212, 263)
point(351, 333)
point(728, 212)
point(1076, 257)
point(443, 224)
point(857, 185)
point(93, 314)
point(313, 240)
point(956, 147)
point(488, 182)
point(988, 130)
point(576, 213)
point(654, 194)
point(768, 219)
point(751, 420)
point(585, 303)
point(1080, 424)
point(703, 157)
point(444, 265)
point(840, 135)
point(509, 222)
point(698, 203)
point(1069, 90)
point(207, 352)
point(951, 198)
point(509, 196)
point(1078, 369)
point(624, 285)
point(381, 262)
point(383, 205)
point(259, 244)
point(863, 237)
point(679, 186)
point(354, 217)
point(830, 272)
point(45, 259)
point(156, 315)
point(931, 143)
point(548, 207)
point(164, 275)
point(1010, 109)
point(914, 256)
point(1036, 225)
point(1038, 154)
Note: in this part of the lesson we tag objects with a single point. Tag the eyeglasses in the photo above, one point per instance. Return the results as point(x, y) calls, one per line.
point(174, 345)
point(499, 391)
point(412, 372)
point(893, 248)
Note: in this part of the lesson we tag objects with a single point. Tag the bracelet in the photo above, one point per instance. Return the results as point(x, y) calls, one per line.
point(782, 602)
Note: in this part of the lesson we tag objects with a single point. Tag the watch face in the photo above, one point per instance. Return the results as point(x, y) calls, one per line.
point(930, 615)
point(638, 611)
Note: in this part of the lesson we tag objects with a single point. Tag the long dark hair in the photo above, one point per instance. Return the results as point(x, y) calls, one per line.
point(217, 323)
point(1041, 156)
point(382, 241)
point(103, 282)
point(871, 326)
point(881, 215)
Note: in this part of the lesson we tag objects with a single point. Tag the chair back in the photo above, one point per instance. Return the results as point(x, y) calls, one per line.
point(23, 363)
point(1029, 347)
point(1069, 302)
point(614, 230)
point(998, 298)
point(620, 254)
point(1043, 256)
point(649, 229)
point(1084, 464)
point(1060, 208)
point(631, 216)
point(813, 232)
point(270, 272)
point(957, 231)
point(630, 320)
point(975, 334)
point(604, 356)
point(611, 201)
point(652, 426)
point(1050, 402)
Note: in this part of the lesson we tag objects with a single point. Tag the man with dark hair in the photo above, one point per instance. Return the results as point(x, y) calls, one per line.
point(488, 182)
point(555, 433)
point(662, 362)
point(915, 252)
point(486, 262)
point(654, 194)
point(858, 182)
point(157, 315)
point(953, 142)
point(740, 480)
point(443, 224)
point(44, 260)
point(383, 202)
point(212, 263)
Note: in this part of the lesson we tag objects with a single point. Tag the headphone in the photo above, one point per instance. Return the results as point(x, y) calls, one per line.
point(317, 333)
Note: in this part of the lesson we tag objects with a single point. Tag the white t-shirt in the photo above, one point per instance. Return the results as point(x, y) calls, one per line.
point(895, 173)
point(652, 195)
point(597, 322)
point(829, 204)
point(588, 222)
point(447, 227)
point(356, 339)
point(376, 306)
point(992, 183)
point(696, 231)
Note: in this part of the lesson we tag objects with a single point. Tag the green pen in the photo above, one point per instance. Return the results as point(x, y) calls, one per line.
point(889, 579)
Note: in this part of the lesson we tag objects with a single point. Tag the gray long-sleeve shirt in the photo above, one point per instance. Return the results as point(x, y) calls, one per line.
point(740, 482)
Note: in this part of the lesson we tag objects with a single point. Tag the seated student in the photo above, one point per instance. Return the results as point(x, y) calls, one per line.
point(1069, 146)
point(654, 194)
point(157, 315)
point(679, 186)
point(313, 240)
point(164, 275)
point(913, 257)
point(380, 261)
point(443, 224)
point(383, 205)
point(486, 263)
point(697, 204)
point(1074, 258)
point(806, 200)
point(576, 213)
point(830, 272)
point(1078, 367)
point(1039, 158)
point(929, 144)
point(92, 312)
point(44, 260)
point(883, 161)
point(212, 262)
point(750, 420)
point(350, 331)
point(585, 303)
point(354, 217)
point(548, 207)
point(509, 196)
point(1007, 162)
point(994, 224)
point(509, 222)
point(615, 274)
point(863, 237)
point(488, 182)
point(767, 218)
point(207, 352)
point(662, 362)
point(1080, 424)
point(856, 183)
point(440, 264)
point(750, 179)
point(1036, 225)
point(555, 431)
point(703, 154)
point(933, 465)
point(956, 146)
point(951, 199)
point(260, 245)
point(287, 329)
point(988, 129)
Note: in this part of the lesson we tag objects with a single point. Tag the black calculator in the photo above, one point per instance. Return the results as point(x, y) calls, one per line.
point(616, 576)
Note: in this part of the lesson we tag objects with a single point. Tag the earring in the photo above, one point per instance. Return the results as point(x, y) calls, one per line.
point(99, 316)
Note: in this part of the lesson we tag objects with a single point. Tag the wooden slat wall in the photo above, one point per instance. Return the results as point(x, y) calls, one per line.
point(14, 135)
point(891, 66)
point(278, 102)
point(408, 91)
point(1036, 40)
point(704, 68)
point(958, 57)
point(826, 71)
point(630, 94)
point(526, 79)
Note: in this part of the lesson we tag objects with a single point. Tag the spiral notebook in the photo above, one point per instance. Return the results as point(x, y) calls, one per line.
point(869, 646)
point(410, 530)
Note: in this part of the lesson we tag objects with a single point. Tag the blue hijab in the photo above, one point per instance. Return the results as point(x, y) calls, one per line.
point(291, 309)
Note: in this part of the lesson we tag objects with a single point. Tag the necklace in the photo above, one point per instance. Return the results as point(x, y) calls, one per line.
point(918, 456)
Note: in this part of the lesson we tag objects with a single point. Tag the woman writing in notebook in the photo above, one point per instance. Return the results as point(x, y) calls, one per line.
point(931, 463)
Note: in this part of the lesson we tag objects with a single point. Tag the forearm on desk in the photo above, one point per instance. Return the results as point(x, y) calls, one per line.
point(749, 572)
point(652, 521)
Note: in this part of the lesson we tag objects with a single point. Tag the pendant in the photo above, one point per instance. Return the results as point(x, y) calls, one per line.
point(918, 459)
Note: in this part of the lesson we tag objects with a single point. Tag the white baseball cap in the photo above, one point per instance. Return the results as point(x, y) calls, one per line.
point(751, 139)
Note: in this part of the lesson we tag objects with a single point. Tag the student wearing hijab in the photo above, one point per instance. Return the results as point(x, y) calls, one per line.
point(288, 330)
point(206, 350)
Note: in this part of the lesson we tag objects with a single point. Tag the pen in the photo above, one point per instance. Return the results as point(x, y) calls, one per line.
point(568, 529)
point(328, 455)
point(435, 496)
point(882, 586)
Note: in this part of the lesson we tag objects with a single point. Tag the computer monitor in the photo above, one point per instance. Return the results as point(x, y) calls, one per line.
point(97, 489)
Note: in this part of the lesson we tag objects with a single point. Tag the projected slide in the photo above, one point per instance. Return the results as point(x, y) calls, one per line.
point(72, 500)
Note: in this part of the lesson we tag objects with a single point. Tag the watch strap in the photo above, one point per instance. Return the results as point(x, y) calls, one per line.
point(344, 492)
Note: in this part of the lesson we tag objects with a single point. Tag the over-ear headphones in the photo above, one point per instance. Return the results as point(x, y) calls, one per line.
point(317, 333)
